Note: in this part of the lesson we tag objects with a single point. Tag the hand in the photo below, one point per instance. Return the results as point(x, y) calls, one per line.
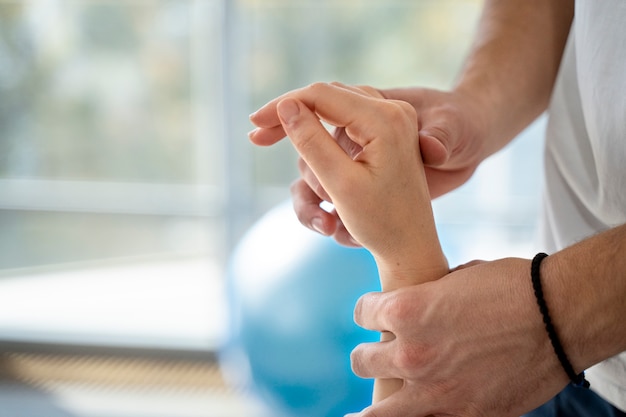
point(470, 344)
point(376, 173)
point(450, 139)
point(307, 192)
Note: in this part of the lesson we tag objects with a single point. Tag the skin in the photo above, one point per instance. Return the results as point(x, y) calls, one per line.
point(379, 160)
point(471, 343)
point(440, 128)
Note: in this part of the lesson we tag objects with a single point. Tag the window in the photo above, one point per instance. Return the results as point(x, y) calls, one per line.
point(125, 172)
point(111, 171)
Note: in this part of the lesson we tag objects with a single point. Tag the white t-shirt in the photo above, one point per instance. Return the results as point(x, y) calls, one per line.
point(585, 157)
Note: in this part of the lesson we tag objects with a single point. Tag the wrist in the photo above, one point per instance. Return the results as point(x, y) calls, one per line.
point(585, 290)
point(396, 274)
point(578, 378)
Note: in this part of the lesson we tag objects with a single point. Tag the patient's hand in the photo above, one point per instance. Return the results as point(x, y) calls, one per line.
point(450, 142)
point(376, 178)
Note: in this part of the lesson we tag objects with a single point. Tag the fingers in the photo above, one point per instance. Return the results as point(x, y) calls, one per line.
point(313, 183)
point(266, 136)
point(332, 103)
point(363, 90)
point(269, 128)
point(306, 204)
point(373, 360)
point(343, 236)
point(383, 311)
point(352, 148)
point(307, 195)
point(312, 141)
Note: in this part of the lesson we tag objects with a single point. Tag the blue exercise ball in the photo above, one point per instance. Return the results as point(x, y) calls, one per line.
point(291, 295)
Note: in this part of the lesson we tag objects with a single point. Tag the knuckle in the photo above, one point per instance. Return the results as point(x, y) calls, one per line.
point(400, 116)
point(441, 132)
point(305, 140)
point(397, 309)
point(370, 90)
point(408, 307)
point(399, 111)
point(411, 358)
point(407, 108)
point(318, 87)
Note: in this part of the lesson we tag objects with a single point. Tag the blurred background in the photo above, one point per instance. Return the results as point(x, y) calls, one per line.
point(127, 180)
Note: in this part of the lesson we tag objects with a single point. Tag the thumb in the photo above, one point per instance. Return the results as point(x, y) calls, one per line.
point(315, 145)
point(434, 151)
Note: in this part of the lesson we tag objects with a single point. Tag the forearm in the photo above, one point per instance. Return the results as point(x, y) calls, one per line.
point(585, 289)
point(513, 63)
point(420, 260)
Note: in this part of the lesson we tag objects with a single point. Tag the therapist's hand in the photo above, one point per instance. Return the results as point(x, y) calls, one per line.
point(375, 178)
point(450, 136)
point(471, 344)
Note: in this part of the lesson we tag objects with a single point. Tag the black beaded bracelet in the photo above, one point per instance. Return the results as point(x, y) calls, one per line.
point(577, 379)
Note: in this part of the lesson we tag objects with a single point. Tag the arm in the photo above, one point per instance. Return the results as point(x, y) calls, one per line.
point(473, 343)
point(362, 181)
point(505, 83)
point(585, 288)
point(513, 64)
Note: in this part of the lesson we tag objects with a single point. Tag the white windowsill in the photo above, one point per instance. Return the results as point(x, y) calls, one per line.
point(164, 304)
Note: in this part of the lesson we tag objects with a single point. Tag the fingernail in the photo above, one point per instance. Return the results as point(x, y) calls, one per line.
point(288, 109)
point(318, 225)
point(252, 115)
point(252, 132)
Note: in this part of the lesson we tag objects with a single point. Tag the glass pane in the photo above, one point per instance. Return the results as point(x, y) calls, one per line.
point(35, 239)
point(99, 103)
point(111, 171)
point(103, 91)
